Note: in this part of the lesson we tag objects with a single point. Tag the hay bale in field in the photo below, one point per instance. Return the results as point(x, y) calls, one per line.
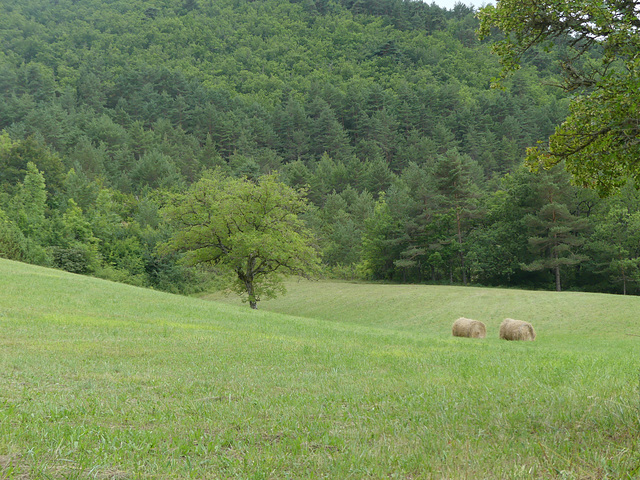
point(512, 329)
point(465, 327)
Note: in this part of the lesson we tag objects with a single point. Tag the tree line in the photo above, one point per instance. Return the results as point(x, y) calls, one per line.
point(383, 109)
point(438, 222)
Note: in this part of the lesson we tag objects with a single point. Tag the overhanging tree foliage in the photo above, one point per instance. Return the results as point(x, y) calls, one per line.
point(251, 229)
point(598, 46)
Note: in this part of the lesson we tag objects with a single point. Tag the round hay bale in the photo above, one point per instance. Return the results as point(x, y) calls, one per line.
point(512, 329)
point(465, 327)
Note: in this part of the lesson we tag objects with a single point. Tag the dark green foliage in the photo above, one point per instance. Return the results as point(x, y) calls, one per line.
point(13, 244)
point(380, 245)
point(15, 157)
point(76, 259)
point(247, 78)
point(596, 47)
point(381, 108)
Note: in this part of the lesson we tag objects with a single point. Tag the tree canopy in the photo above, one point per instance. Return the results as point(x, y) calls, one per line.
point(249, 228)
point(597, 45)
point(382, 110)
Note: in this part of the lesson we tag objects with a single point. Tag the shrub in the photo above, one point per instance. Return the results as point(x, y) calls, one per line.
point(75, 259)
point(13, 244)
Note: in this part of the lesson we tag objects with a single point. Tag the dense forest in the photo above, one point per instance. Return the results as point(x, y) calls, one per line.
point(382, 108)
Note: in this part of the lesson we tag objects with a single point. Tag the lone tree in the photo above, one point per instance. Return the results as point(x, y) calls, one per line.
point(250, 229)
point(598, 49)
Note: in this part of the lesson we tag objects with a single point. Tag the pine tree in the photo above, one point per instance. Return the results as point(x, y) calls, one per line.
point(554, 230)
point(31, 202)
point(454, 178)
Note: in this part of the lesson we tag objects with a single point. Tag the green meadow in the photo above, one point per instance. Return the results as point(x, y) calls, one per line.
point(335, 380)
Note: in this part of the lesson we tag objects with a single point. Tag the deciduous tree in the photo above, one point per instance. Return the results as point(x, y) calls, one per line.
point(251, 229)
point(598, 44)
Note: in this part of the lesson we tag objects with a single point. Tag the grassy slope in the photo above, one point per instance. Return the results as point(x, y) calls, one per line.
point(423, 309)
point(100, 380)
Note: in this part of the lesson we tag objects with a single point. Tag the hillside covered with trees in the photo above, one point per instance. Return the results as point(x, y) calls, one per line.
point(383, 108)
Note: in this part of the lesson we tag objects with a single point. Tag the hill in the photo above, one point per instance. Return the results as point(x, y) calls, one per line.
point(103, 380)
point(147, 96)
point(430, 309)
point(382, 108)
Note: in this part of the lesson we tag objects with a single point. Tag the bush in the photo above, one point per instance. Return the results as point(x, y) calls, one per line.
point(76, 259)
point(343, 272)
point(165, 273)
point(13, 244)
point(36, 254)
point(109, 272)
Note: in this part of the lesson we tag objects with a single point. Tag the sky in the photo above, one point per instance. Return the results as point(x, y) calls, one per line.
point(448, 4)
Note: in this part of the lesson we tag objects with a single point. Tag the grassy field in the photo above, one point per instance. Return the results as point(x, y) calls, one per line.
point(100, 380)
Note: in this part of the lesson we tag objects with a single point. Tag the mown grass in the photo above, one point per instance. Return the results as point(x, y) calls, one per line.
point(100, 380)
point(432, 309)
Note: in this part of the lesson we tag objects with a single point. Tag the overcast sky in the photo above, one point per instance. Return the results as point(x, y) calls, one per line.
point(448, 4)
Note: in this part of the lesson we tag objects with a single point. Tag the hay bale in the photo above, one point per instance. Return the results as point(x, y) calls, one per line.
point(512, 329)
point(465, 327)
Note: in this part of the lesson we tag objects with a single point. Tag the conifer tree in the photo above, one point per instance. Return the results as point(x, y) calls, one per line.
point(459, 197)
point(31, 202)
point(554, 230)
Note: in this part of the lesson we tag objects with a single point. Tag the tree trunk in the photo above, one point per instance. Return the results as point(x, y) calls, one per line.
point(462, 266)
point(247, 279)
point(248, 284)
point(556, 258)
point(463, 269)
